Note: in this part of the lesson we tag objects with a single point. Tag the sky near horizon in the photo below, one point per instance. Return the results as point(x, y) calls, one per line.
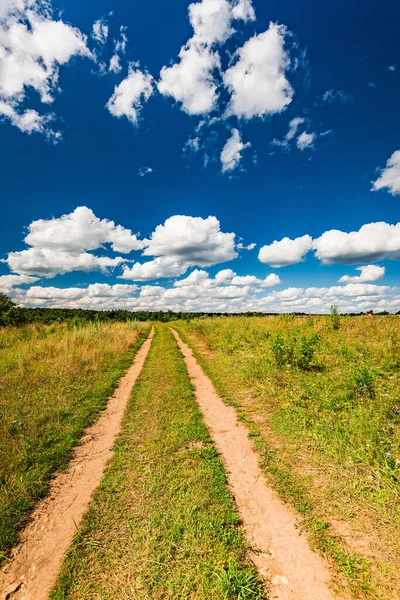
point(219, 155)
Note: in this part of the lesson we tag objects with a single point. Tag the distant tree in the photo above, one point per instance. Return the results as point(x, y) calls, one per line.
point(5, 303)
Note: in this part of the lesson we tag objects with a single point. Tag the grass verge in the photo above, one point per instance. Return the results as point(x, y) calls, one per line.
point(328, 444)
point(54, 381)
point(162, 523)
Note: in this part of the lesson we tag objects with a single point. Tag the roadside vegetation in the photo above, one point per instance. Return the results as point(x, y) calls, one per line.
point(321, 397)
point(162, 523)
point(54, 381)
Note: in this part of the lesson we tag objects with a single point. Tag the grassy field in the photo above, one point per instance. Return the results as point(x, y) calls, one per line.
point(53, 382)
point(162, 524)
point(323, 408)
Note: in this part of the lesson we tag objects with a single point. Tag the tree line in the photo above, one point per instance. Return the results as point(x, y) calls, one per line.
point(13, 315)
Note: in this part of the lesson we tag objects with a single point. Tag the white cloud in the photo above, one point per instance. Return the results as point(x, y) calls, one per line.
point(368, 273)
point(144, 171)
point(390, 175)
point(7, 282)
point(372, 242)
point(241, 246)
point(192, 239)
point(257, 80)
point(231, 154)
point(180, 243)
point(100, 31)
point(28, 121)
point(224, 276)
point(391, 68)
point(294, 125)
point(191, 81)
point(211, 21)
point(130, 94)
point(120, 45)
point(305, 140)
point(195, 278)
point(331, 96)
point(158, 268)
point(80, 230)
point(33, 46)
point(243, 10)
point(95, 290)
point(61, 245)
point(47, 262)
point(270, 281)
point(119, 48)
point(286, 251)
point(115, 64)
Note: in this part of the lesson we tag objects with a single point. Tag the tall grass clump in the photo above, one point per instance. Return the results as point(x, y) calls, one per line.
point(335, 318)
point(54, 380)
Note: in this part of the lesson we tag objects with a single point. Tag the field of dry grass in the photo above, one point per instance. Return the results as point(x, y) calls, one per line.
point(323, 407)
point(54, 380)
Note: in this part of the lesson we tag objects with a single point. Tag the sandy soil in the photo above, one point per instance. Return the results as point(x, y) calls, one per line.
point(279, 552)
point(35, 563)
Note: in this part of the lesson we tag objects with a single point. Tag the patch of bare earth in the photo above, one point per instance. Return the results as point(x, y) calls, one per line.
point(280, 551)
point(35, 563)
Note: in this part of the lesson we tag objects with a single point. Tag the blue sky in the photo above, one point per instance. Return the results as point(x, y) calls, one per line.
point(188, 133)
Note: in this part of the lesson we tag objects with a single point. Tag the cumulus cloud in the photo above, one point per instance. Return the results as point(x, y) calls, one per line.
point(61, 245)
point(269, 281)
point(33, 46)
point(182, 242)
point(286, 251)
point(7, 282)
point(390, 175)
point(95, 290)
point(80, 230)
point(191, 81)
point(192, 239)
point(49, 263)
point(305, 140)
point(158, 268)
point(231, 154)
point(372, 242)
point(130, 95)
point(243, 10)
point(257, 80)
point(368, 273)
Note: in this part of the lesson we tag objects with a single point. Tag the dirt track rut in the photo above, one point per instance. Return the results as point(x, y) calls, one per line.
point(280, 553)
point(34, 566)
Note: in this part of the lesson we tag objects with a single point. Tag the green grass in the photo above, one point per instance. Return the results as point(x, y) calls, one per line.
point(54, 381)
point(322, 405)
point(162, 523)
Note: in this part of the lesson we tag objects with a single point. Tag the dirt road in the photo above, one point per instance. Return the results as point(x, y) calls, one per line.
point(35, 564)
point(281, 553)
